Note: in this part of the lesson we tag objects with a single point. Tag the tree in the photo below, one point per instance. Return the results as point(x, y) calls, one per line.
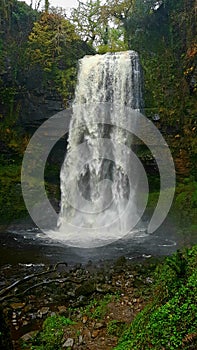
point(88, 20)
point(46, 6)
point(16, 21)
point(48, 40)
point(54, 47)
point(100, 23)
point(165, 35)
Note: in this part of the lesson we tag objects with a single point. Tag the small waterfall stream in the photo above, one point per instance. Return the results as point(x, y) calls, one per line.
point(95, 187)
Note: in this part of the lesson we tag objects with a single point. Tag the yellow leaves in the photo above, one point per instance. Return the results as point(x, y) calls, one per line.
point(192, 51)
point(35, 55)
point(189, 70)
point(49, 39)
point(48, 66)
point(189, 338)
point(13, 144)
point(172, 112)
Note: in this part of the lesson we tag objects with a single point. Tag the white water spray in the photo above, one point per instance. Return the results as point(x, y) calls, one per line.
point(98, 176)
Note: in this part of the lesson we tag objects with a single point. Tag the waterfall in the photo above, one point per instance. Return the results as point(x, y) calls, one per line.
point(95, 175)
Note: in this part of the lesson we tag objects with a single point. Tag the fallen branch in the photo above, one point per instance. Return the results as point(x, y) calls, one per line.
point(50, 269)
point(57, 280)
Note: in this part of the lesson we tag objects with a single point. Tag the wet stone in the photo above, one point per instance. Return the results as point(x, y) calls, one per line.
point(99, 325)
point(29, 336)
point(80, 339)
point(84, 319)
point(17, 306)
point(28, 308)
point(95, 333)
point(62, 309)
point(68, 343)
point(86, 334)
point(44, 310)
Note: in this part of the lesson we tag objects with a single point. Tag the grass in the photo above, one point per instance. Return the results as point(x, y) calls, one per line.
point(169, 321)
point(97, 309)
point(50, 338)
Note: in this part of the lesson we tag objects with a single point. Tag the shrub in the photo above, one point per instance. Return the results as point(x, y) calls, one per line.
point(169, 322)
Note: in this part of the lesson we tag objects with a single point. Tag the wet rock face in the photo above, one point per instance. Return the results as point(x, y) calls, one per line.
point(36, 99)
point(39, 105)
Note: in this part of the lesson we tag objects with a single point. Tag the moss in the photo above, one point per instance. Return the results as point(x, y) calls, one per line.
point(51, 335)
point(169, 321)
point(186, 202)
point(12, 205)
point(11, 201)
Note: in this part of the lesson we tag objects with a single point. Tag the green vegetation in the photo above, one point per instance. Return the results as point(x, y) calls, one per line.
point(54, 48)
point(39, 54)
point(184, 207)
point(186, 202)
point(98, 308)
point(116, 328)
point(165, 35)
point(50, 338)
point(169, 321)
point(11, 201)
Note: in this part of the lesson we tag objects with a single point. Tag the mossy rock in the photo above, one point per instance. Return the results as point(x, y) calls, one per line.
point(87, 288)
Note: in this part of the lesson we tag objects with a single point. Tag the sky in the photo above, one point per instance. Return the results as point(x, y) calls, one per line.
point(56, 3)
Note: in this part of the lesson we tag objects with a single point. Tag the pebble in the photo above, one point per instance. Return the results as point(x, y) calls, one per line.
point(68, 343)
point(99, 325)
point(28, 308)
point(86, 333)
point(62, 309)
point(44, 310)
point(17, 305)
point(28, 336)
point(80, 339)
point(149, 280)
point(84, 319)
point(95, 333)
point(118, 283)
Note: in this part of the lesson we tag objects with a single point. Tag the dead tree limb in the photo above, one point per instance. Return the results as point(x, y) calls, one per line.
point(50, 269)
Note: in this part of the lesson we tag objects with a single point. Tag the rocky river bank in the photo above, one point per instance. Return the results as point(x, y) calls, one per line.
point(98, 301)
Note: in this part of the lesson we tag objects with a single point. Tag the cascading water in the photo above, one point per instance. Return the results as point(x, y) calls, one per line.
point(96, 173)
